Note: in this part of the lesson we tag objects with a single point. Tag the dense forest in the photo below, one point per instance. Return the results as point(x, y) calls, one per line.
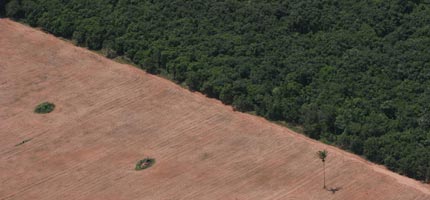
point(355, 74)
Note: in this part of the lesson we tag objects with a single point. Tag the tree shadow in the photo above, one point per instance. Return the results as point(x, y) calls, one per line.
point(334, 190)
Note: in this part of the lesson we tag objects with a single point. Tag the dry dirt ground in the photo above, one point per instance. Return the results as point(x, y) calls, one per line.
point(111, 115)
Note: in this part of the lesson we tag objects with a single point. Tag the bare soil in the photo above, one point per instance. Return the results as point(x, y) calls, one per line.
point(109, 115)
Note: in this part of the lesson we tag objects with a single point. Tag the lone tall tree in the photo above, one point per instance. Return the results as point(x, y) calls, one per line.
point(323, 155)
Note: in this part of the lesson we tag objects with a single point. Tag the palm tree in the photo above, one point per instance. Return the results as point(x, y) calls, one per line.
point(323, 155)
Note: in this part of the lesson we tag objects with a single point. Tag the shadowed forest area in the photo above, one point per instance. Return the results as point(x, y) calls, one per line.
point(353, 74)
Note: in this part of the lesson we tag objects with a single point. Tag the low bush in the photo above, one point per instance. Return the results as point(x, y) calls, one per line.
point(45, 107)
point(145, 163)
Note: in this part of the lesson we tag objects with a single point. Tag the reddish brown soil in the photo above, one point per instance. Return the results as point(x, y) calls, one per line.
point(109, 115)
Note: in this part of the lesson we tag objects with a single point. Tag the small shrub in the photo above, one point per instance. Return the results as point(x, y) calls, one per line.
point(45, 107)
point(145, 163)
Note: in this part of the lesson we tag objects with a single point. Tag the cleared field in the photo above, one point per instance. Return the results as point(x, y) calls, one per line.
point(109, 115)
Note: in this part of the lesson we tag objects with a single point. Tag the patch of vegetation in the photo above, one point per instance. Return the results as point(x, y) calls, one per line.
point(145, 163)
point(2, 4)
point(45, 107)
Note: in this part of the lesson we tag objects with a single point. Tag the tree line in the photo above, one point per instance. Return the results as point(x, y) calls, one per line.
point(352, 73)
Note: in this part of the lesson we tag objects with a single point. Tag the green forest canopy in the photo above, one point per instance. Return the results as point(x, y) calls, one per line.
point(353, 73)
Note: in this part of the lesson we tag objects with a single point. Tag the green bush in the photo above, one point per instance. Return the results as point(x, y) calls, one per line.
point(45, 107)
point(145, 163)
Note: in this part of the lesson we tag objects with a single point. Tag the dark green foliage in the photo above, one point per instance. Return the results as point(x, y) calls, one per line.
point(2, 8)
point(45, 107)
point(13, 9)
point(145, 163)
point(353, 73)
point(322, 155)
